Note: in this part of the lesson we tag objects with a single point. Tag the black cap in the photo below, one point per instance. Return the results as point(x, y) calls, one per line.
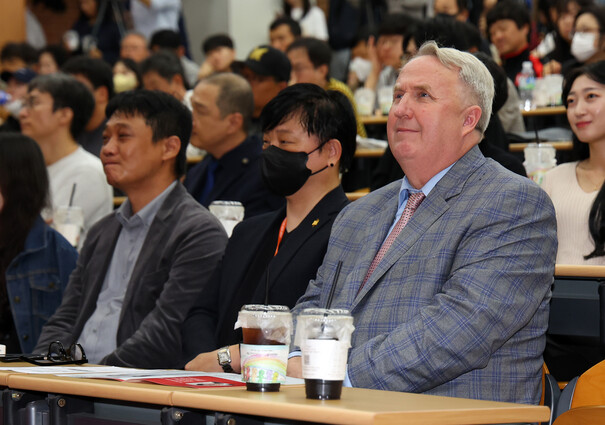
point(267, 60)
point(22, 75)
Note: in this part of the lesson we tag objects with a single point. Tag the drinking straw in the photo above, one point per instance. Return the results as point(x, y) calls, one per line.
point(71, 197)
point(332, 289)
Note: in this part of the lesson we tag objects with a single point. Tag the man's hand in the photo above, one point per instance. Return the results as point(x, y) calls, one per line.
point(295, 367)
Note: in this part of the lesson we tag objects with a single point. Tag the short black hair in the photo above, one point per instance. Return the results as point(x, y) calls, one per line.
point(396, 24)
point(291, 23)
point(216, 41)
point(324, 114)
point(97, 71)
point(446, 32)
point(500, 80)
point(166, 64)
point(165, 39)
point(57, 51)
point(509, 9)
point(163, 113)
point(319, 51)
point(23, 51)
point(67, 92)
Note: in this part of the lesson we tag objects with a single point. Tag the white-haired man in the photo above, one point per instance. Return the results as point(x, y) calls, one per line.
point(447, 272)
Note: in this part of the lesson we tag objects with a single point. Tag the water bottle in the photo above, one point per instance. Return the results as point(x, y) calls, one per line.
point(526, 82)
point(4, 97)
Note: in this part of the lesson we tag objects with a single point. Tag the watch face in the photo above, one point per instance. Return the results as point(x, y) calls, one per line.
point(223, 357)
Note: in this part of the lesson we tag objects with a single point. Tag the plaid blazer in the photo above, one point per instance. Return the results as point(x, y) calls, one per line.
point(459, 304)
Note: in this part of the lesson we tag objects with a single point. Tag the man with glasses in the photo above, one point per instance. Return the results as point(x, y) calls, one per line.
point(143, 266)
point(55, 112)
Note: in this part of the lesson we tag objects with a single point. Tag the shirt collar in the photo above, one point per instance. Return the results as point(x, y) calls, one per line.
point(407, 188)
point(147, 214)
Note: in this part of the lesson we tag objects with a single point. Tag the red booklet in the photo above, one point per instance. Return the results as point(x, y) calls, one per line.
point(197, 382)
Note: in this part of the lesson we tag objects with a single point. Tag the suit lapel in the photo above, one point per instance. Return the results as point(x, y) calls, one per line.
point(429, 211)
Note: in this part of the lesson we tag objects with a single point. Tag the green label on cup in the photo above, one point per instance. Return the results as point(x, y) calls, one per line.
point(264, 364)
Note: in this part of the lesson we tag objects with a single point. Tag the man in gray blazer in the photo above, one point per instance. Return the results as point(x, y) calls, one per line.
point(456, 303)
point(141, 267)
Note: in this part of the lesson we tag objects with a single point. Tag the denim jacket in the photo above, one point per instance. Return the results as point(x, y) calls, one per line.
point(36, 279)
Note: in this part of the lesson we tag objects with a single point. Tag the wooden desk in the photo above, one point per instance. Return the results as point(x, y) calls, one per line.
point(373, 119)
point(357, 406)
point(360, 406)
point(560, 146)
point(542, 111)
point(579, 271)
point(546, 110)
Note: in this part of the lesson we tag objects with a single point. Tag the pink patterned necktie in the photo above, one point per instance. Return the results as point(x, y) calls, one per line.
point(413, 202)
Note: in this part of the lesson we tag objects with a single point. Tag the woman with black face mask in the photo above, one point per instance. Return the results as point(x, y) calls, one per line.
point(309, 138)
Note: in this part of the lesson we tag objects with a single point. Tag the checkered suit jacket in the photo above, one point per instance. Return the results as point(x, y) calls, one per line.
point(459, 304)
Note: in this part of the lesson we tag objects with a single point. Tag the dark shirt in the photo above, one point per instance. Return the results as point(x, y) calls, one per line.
point(513, 63)
point(107, 40)
point(92, 140)
point(237, 178)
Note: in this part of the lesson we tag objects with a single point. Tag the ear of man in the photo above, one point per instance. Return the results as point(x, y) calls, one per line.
point(333, 149)
point(171, 148)
point(472, 114)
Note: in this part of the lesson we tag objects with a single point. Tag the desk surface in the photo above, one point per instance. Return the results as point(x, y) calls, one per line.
point(357, 406)
point(549, 110)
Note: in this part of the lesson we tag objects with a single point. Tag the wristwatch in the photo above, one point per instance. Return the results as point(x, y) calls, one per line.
point(224, 359)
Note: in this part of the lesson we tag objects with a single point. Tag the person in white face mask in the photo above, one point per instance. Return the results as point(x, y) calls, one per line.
point(587, 44)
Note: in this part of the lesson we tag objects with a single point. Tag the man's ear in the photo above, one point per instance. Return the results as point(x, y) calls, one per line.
point(172, 146)
point(236, 121)
point(101, 95)
point(471, 119)
point(65, 116)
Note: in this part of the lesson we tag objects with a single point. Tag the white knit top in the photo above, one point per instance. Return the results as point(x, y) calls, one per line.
point(572, 206)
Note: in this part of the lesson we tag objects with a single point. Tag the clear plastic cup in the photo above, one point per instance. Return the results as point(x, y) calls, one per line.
point(69, 221)
point(365, 98)
point(229, 213)
point(267, 330)
point(324, 337)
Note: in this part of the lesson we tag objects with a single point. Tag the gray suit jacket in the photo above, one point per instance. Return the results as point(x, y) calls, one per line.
point(459, 304)
point(183, 246)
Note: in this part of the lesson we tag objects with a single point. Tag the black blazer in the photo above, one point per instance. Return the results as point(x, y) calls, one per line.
point(209, 324)
point(238, 178)
point(183, 247)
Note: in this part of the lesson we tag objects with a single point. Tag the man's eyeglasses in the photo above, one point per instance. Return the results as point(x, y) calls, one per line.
point(58, 355)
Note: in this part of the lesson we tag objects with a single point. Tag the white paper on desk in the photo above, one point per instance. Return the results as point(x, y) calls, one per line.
point(55, 370)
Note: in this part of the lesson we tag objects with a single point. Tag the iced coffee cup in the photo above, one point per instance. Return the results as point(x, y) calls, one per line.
point(324, 336)
point(264, 353)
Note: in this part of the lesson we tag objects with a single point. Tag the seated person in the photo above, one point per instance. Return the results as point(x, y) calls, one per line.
point(508, 25)
point(134, 46)
point(386, 52)
point(576, 188)
point(51, 58)
point(220, 55)
point(309, 137)
point(447, 272)
point(142, 266)
point(163, 71)
point(222, 112)
point(171, 40)
point(126, 75)
point(310, 59)
point(268, 72)
point(16, 87)
point(282, 32)
point(35, 260)
point(97, 76)
point(54, 114)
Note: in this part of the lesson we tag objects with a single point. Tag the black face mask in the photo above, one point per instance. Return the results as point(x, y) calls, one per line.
point(284, 172)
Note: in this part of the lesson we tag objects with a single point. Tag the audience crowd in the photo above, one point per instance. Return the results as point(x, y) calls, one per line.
point(447, 264)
